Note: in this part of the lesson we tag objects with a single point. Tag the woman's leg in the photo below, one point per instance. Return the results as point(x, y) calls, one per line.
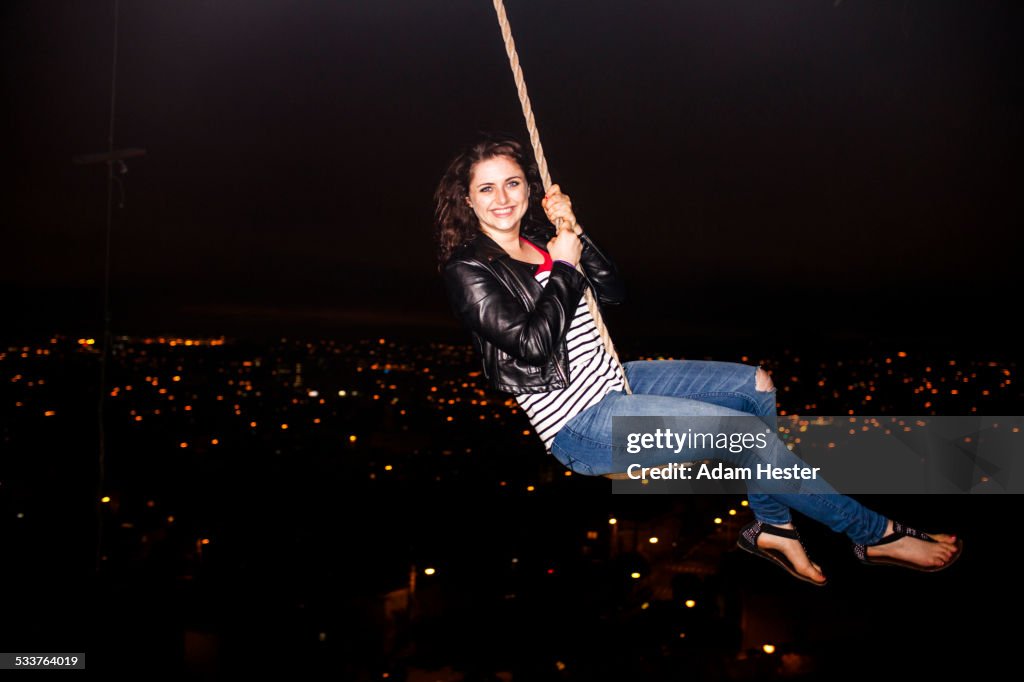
point(728, 384)
point(584, 444)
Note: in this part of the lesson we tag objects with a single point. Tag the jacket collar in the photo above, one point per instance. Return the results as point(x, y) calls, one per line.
point(486, 249)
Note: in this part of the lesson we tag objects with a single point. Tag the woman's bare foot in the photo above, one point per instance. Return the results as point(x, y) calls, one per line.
point(916, 551)
point(794, 551)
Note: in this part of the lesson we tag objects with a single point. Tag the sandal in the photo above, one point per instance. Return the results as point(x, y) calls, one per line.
point(900, 531)
point(747, 541)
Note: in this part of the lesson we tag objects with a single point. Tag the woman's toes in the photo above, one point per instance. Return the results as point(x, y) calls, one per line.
point(943, 554)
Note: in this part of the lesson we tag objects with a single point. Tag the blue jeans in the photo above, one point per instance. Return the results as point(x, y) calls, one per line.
point(684, 388)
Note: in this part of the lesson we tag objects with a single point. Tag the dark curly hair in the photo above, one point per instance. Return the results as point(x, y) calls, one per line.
point(454, 221)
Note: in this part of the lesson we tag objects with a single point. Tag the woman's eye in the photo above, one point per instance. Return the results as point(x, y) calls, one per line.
point(514, 183)
point(485, 189)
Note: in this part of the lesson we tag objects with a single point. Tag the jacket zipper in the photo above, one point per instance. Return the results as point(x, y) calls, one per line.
point(529, 306)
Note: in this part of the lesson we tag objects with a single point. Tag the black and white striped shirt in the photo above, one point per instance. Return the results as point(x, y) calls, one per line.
point(593, 373)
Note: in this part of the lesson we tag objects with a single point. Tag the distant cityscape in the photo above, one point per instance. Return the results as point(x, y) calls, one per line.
point(371, 507)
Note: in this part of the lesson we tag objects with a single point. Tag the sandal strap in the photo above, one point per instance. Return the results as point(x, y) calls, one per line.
point(911, 532)
point(790, 533)
point(899, 530)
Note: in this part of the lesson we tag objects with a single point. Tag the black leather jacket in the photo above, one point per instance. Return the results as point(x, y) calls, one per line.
point(518, 326)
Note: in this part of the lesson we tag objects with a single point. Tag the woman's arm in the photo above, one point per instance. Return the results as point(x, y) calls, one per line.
point(601, 271)
point(485, 306)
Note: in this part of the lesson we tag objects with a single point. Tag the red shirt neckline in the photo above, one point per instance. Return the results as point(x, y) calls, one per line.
point(546, 265)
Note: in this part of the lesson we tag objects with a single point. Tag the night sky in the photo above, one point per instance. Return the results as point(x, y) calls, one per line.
point(753, 166)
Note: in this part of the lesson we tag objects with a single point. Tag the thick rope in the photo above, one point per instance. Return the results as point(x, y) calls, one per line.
point(542, 164)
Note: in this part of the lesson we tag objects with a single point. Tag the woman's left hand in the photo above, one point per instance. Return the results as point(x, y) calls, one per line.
point(558, 206)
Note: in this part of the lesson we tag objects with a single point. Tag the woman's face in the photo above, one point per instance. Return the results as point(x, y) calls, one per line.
point(498, 194)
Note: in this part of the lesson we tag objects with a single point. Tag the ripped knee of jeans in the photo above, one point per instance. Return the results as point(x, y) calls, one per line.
point(763, 381)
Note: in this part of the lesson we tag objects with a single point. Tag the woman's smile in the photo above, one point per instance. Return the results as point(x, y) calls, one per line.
point(498, 195)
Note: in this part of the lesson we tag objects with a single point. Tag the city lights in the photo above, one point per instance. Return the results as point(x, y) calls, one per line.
point(211, 420)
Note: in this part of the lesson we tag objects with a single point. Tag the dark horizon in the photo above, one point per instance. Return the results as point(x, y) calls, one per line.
point(936, 321)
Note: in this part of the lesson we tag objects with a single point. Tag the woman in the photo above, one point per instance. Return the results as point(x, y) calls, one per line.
point(512, 281)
